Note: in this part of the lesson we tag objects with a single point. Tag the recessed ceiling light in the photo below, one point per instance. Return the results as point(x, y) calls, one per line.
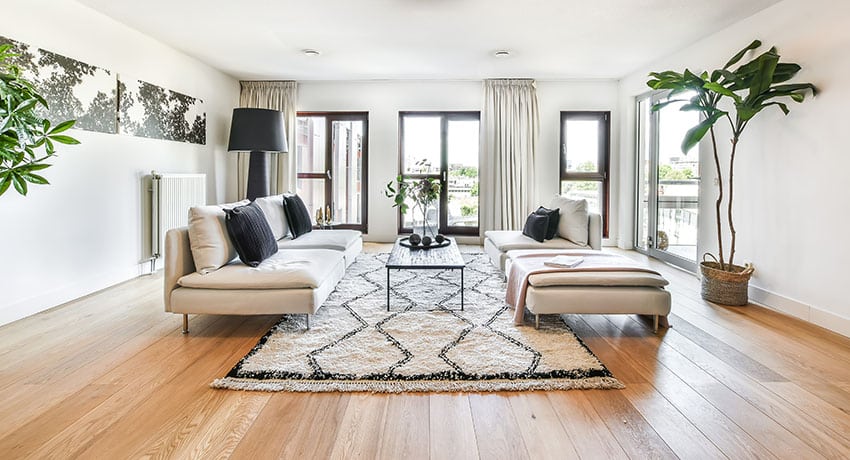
point(309, 52)
point(502, 53)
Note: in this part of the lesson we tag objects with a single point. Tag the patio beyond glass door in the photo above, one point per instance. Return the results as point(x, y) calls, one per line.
point(667, 184)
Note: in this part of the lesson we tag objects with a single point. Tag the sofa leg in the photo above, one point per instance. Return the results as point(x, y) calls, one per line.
point(308, 321)
point(655, 324)
point(185, 323)
point(536, 321)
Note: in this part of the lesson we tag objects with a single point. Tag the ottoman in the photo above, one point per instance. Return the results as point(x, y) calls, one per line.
point(603, 292)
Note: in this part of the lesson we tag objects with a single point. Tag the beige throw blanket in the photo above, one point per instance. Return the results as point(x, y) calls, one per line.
point(532, 263)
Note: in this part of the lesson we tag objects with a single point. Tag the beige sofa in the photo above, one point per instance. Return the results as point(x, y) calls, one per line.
point(295, 280)
point(497, 243)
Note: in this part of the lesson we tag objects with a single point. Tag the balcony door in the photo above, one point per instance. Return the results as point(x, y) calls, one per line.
point(332, 152)
point(667, 184)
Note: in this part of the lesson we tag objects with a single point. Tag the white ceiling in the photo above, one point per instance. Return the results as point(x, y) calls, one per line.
point(428, 39)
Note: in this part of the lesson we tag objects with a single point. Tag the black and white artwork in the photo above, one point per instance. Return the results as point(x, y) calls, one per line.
point(73, 89)
point(148, 110)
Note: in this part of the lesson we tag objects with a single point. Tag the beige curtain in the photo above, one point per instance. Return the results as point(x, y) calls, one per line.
point(277, 95)
point(510, 128)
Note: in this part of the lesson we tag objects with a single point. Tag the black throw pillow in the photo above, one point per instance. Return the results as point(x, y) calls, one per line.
point(535, 226)
point(250, 233)
point(554, 218)
point(297, 215)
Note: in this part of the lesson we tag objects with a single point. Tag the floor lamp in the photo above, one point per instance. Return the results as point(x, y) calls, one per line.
point(259, 131)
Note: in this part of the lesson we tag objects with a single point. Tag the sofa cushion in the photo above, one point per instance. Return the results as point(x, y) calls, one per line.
point(338, 240)
point(573, 222)
point(297, 215)
point(250, 234)
point(208, 239)
point(508, 240)
point(284, 270)
point(272, 207)
point(554, 220)
point(536, 226)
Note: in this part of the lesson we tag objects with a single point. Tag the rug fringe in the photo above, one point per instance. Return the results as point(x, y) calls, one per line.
point(315, 386)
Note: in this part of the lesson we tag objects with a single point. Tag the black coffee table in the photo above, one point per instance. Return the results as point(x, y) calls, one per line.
point(445, 258)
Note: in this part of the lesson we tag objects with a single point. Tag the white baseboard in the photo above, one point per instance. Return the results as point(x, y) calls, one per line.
point(791, 307)
point(66, 293)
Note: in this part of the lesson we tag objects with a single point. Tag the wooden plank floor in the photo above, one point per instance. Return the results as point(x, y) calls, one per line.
point(110, 376)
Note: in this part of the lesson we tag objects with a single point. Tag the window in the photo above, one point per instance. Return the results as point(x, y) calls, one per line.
point(443, 146)
point(667, 206)
point(585, 153)
point(331, 163)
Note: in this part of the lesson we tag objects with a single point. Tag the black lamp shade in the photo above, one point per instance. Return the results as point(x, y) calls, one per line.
point(257, 130)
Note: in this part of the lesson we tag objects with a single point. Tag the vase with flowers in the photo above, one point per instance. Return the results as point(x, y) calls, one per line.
point(423, 192)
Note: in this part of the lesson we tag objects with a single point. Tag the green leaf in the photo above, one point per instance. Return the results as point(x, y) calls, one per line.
point(63, 139)
point(695, 134)
point(64, 126)
point(720, 89)
point(740, 54)
point(4, 184)
point(35, 179)
point(20, 184)
point(660, 105)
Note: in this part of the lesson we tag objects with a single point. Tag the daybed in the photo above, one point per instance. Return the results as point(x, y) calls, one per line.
point(600, 289)
point(297, 279)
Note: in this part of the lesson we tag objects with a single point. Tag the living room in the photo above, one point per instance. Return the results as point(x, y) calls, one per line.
point(78, 273)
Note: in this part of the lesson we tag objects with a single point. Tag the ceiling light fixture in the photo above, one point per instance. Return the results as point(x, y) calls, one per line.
point(502, 53)
point(309, 52)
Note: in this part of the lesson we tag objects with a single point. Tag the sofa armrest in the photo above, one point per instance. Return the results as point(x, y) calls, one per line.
point(178, 261)
point(594, 231)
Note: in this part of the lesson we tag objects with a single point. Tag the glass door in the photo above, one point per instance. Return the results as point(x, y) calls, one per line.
point(331, 164)
point(667, 184)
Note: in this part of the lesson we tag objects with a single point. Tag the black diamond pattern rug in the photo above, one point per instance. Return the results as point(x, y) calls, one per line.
point(424, 343)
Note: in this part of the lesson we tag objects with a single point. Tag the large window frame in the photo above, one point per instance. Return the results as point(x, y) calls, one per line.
point(329, 174)
point(443, 175)
point(602, 173)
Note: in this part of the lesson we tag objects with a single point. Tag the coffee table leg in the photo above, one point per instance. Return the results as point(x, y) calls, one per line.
point(461, 289)
point(388, 289)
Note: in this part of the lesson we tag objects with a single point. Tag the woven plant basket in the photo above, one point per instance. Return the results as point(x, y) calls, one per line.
point(724, 287)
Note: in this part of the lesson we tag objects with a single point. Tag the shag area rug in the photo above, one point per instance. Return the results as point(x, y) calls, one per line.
point(423, 344)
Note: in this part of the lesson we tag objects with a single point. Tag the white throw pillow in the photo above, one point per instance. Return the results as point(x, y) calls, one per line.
point(208, 239)
point(573, 223)
point(272, 207)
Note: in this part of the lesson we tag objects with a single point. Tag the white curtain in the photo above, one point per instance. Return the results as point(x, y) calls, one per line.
point(510, 129)
point(277, 95)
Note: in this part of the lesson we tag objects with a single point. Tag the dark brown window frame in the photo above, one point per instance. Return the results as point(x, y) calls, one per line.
point(602, 174)
point(444, 194)
point(364, 181)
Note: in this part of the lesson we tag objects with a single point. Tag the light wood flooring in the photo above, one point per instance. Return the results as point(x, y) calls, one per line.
point(110, 376)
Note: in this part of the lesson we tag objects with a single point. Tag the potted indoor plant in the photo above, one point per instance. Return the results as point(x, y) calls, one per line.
point(751, 87)
point(27, 140)
point(424, 192)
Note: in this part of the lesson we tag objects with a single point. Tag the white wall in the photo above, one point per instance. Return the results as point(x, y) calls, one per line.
point(384, 99)
point(791, 172)
point(84, 232)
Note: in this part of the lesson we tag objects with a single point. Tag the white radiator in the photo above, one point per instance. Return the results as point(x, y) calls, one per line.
point(171, 197)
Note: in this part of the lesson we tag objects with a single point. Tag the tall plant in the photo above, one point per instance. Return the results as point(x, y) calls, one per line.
point(27, 140)
point(752, 87)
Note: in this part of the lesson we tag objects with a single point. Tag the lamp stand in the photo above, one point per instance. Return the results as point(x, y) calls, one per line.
point(258, 175)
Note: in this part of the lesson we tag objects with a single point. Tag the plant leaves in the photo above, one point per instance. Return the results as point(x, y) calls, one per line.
point(695, 134)
point(63, 139)
point(64, 126)
point(740, 54)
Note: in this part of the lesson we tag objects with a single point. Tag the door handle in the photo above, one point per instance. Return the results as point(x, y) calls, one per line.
point(445, 176)
point(328, 173)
